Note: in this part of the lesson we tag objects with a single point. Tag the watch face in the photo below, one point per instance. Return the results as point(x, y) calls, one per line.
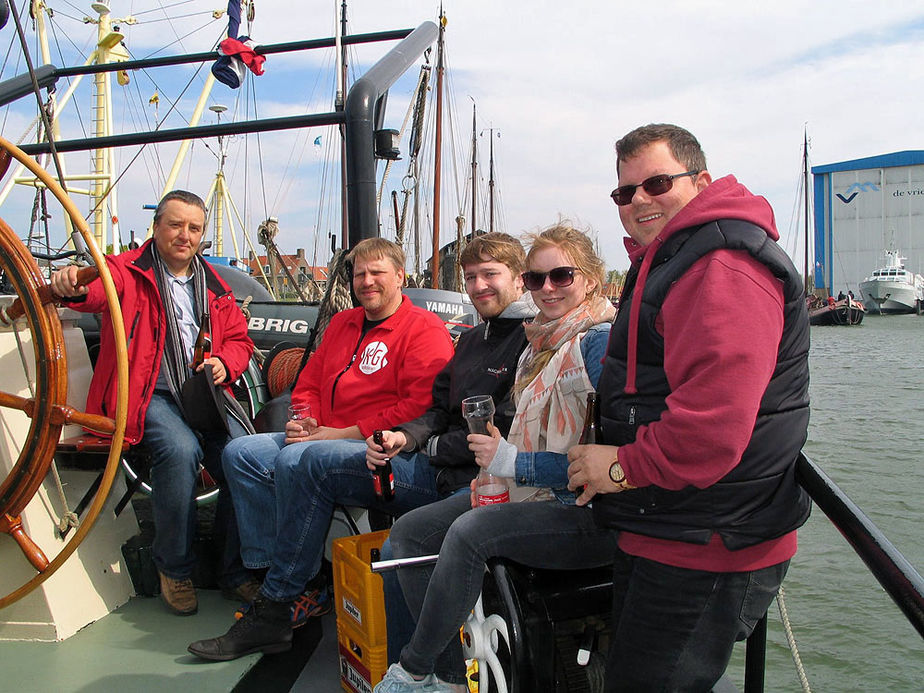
point(616, 473)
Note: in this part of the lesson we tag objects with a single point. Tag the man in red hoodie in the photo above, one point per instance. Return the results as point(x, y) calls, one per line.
point(704, 409)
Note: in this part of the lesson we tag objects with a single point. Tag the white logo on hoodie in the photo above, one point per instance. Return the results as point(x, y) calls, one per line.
point(374, 357)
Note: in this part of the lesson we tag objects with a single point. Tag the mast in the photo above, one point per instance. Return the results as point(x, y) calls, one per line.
point(491, 179)
point(220, 189)
point(339, 106)
point(438, 156)
point(805, 186)
point(474, 167)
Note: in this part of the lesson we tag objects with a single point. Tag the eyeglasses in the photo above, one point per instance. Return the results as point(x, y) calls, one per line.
point(560, 277)
point(656, 185)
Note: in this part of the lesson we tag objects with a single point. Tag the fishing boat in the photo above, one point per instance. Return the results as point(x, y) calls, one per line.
point(892, 289)
point(535, 631)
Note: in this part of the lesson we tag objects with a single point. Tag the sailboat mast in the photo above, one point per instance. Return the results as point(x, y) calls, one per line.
point(491, 181)
point(805, 193)
point(339, 106)
point(474, 167)
point(438, 156)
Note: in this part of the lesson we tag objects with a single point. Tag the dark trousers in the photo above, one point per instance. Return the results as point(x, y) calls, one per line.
point(674, 629)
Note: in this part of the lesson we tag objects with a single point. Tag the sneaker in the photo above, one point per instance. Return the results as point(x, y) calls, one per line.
point(264, 628)
point(178, 595)
point(245, 592)
point(309, 605)
point(397, 680)
point(304, 606)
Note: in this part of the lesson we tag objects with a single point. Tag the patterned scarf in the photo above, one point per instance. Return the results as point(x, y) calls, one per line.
point(552, 381)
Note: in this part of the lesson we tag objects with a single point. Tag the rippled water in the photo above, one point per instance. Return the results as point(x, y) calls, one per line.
point(867, 393)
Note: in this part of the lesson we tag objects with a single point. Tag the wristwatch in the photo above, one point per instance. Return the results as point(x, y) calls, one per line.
point(617, 475)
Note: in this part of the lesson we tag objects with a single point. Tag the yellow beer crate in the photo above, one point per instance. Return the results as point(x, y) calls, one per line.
point(357, 590)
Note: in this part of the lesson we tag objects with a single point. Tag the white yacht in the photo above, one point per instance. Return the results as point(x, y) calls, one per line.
point(892, 288)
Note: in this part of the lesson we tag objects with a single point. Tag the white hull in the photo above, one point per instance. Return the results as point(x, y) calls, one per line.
point(889, 297)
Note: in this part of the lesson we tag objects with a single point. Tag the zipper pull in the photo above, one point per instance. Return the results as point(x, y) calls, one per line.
point(632, 415)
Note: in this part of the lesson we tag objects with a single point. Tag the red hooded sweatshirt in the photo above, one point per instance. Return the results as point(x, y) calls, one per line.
point(721, 322)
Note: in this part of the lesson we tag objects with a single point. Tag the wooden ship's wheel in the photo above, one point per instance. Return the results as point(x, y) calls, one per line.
point(34, 311)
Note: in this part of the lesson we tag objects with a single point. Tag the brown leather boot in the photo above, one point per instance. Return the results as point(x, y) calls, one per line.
point(245, 592)
point(178, 595)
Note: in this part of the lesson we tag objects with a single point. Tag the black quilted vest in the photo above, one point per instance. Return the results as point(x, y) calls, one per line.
point(759, 499)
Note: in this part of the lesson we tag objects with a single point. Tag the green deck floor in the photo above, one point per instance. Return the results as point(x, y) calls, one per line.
point(141, 647)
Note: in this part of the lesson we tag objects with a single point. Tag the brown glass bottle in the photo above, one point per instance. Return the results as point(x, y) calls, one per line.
point(202, 349)
point(589, 432)
point(383, 478)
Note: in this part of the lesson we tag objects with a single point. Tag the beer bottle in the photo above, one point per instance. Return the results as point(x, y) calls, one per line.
point(589, 433)
point(202, 349)
point(383, 479)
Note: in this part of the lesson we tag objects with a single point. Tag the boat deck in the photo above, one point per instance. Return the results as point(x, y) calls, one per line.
point(141, 647)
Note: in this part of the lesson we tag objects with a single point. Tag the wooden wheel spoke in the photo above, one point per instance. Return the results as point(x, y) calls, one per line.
point(95, 422)
point(61, 414)
point(13, 527)
point(23, 404)
point(44, 294)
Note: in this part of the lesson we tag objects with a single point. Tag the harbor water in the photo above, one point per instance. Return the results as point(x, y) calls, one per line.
point(867, 392)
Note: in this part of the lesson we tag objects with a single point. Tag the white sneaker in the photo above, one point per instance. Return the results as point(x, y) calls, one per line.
point(397, 680)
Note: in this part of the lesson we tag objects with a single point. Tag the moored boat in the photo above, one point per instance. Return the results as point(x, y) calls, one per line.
point(845, 311)
point(893, 289)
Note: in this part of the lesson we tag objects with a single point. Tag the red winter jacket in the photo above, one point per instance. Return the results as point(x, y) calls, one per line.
point(145, 328)
point(381, 381)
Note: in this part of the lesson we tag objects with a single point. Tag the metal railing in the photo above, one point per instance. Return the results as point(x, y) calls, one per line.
point(893, 571)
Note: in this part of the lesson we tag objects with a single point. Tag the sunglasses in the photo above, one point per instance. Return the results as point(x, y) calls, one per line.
point(656, 185)
point(560, 277)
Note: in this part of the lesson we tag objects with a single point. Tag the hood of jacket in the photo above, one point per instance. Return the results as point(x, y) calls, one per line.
point(724, 198)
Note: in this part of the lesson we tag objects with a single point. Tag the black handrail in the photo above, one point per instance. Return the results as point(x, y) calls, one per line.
point(896, 575)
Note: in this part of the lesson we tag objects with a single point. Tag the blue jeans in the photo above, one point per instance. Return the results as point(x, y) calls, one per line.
point(674, 628)
point(176, 452)
point(545, 534)
point(285, 496)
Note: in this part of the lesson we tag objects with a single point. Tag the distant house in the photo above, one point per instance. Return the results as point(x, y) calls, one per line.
point(298, 269)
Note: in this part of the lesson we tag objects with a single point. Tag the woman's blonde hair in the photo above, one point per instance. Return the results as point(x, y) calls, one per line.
point(580, 248)
point(577, 245)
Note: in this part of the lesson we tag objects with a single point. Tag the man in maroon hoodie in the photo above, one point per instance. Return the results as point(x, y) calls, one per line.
point(704, 409)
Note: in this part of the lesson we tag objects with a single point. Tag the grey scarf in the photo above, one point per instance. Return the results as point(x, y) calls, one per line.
point(177, 370)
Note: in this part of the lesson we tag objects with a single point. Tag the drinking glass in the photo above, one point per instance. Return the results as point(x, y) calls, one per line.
point(478, 410)
point(299, 412)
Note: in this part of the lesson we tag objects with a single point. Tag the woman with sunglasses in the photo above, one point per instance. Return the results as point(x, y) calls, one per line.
point(559, 367)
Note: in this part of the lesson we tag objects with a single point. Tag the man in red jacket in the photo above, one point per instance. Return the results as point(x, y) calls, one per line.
point(373, 370)
point(166, 292)
point(704, 409)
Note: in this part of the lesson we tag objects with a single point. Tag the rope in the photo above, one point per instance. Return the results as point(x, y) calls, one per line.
point(336, 296)
point(790, 638)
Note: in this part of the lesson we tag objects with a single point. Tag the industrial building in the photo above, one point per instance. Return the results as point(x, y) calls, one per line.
point(864, 207)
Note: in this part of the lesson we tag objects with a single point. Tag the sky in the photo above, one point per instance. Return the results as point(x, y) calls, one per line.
point(559, 83)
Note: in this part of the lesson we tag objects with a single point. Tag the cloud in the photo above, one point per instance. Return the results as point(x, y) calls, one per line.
point(561, 82)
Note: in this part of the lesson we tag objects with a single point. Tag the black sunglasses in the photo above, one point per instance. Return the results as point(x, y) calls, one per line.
point(560, 277)
point(656, 185)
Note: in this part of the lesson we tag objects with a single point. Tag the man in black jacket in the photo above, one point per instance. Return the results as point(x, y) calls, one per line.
point(484, 364)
